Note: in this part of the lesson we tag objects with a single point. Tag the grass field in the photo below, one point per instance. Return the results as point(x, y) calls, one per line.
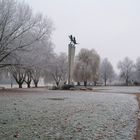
point(41, 114)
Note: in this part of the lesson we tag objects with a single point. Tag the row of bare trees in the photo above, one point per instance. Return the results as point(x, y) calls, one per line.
point(129, 72)
point(25, 41)
point(89, 69)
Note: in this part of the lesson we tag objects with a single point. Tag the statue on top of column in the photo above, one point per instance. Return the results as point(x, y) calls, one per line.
point(72, 40)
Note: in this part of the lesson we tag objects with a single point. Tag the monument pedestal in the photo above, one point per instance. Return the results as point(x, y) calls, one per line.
point(71, 51)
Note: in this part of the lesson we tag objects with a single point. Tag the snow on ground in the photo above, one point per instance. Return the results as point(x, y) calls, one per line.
point(64, 115)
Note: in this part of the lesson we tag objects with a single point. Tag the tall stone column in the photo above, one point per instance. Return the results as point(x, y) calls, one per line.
point(71, 55)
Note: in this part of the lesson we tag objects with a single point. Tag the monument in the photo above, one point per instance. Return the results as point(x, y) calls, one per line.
point(71, 55)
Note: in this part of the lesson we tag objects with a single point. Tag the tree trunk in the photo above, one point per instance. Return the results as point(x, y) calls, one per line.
point(57, 84)
point(85, 83)
point(95, 83)
point(28, 85)
point(105, 82)
point(126, 82)
point(78, 83)
point(20, 85)
point(36, 84)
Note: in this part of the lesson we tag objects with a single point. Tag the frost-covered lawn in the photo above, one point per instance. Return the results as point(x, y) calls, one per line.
point(63, 115)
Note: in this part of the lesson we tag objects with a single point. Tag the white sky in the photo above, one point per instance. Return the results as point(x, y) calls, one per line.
point(111, 27)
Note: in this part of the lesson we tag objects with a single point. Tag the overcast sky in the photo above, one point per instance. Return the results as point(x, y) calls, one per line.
point(111, 27)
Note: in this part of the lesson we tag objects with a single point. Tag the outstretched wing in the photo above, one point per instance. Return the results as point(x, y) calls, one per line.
point(74, 41)
point(71, 38)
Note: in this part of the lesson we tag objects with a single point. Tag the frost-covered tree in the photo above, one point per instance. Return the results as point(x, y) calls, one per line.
point(24, 41)
point(126, 69)
point(58, 68)
point(32, 62)
point(28, 76)
point(19, 28)
point(87, 66)
point(18, 71)
point(137, 71)
point(40, 60)
point(106, 71)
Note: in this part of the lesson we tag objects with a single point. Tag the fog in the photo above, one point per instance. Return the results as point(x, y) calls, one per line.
point(110, 27)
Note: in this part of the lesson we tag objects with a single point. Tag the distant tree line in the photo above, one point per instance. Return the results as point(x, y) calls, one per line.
point(94, 70)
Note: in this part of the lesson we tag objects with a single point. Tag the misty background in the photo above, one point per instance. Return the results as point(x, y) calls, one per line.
point(110, 27)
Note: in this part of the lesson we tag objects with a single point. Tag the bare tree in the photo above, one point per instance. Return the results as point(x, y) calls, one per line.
point(87, 66)
point(31, 62)
point(36, 75)
point(137, 71)
point(58, 68)
point(21, 32)
point(18, 71)
point(40, 59)
point(106, 71)
point(19, 75)
point(28, 77)
point(126, 68)
point(19, 28)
